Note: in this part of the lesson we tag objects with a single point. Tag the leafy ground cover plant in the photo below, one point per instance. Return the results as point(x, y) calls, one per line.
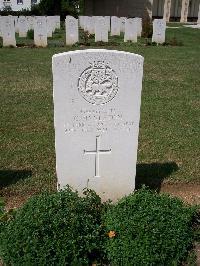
point(54, 229)
point(148, 229)
point(62, 228)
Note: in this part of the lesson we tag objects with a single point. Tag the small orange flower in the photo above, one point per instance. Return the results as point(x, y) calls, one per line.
point(111, 234)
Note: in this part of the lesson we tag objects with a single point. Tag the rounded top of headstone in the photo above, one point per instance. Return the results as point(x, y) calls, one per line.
point(97, 51)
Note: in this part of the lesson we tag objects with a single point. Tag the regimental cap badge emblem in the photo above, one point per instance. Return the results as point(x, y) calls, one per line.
point(98, 84)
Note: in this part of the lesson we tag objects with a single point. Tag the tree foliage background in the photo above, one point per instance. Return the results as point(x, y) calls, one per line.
point(58, 7)
point(49, 8)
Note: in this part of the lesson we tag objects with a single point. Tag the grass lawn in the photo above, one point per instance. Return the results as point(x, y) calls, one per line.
point(169, 142)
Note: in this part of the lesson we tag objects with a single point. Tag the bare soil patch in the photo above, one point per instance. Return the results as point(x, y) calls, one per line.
point(188, 192)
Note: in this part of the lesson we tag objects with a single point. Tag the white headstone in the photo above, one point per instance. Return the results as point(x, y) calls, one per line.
point(30, 20)
point(122, 24)
point(108, 22)
point(159, 28)
point(90, 25)
point(51, 26)
point(115, 26)
point(54, 23)
point(40, 31)
point(23, 26)
point(71, 26)
point(16, 23)
point(97, 95)
point(81, 21)
point(101, 29)
point(85, 23)
point(8, 31)
point(139, 26)
point(131, 27)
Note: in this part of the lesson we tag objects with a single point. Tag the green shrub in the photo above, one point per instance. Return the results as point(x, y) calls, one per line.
point(30, 34)
point(54, 229)
point(148, 229)
point(62, 228)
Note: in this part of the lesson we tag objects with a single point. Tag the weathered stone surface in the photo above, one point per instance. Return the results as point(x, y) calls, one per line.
point(159, 28)
point(81, 21)
point(8, 31)
point(115, 26)
point(30, 20)
point(71, 26)
point(131, 29)
point(108, 22)
point(23, 26)
point(139, 26)
point(101, 29)
point(51, 26)
point(97, 95)
point(40, 31)
point(91, 24)
point(122, 24)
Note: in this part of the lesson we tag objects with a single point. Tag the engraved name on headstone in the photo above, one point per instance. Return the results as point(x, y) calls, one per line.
point(97, 95)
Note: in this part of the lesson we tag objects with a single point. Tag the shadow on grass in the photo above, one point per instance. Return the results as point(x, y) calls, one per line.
point(153, 174)
point(8, 177)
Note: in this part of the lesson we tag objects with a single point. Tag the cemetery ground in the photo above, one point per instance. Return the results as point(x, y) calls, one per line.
point(168, 153)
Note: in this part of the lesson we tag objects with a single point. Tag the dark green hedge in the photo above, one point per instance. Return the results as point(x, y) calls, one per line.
point(56, 229)
point(62, 228)
point(149, 230)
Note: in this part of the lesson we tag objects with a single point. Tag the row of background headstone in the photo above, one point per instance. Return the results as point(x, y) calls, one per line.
point(100, 26)
point(131, 27)
point(43, 27)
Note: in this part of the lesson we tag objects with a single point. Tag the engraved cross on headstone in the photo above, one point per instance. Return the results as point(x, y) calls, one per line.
point(97, 153)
